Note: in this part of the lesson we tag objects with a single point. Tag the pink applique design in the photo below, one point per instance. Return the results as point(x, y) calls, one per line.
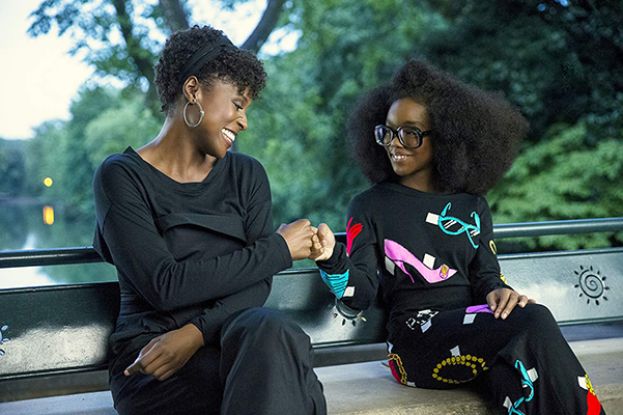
point(400, 256)
point(482, 308)
point(351, 233)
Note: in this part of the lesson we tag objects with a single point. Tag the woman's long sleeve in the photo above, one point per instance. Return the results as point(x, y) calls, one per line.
point(258, 224)
point(139, 251)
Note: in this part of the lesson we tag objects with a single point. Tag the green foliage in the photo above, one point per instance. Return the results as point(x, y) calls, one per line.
point(94, 26)
point(298, 125)
point(43, 156)
point(291, 144)
point(558, 62)
point(103, 121)
point(564, 176)
point(64, 156)
point(12, 168)
point(112, 131)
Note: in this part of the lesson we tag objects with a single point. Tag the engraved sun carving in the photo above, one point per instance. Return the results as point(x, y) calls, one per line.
point(3, 339)
point(592, 285)
point(347, 314)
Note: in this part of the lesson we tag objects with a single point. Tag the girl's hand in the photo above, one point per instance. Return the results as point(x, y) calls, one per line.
point(166, 354)
point(502, 301)
point(323, 243)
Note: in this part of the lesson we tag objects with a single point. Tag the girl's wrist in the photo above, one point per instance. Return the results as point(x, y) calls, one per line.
point(326, 255)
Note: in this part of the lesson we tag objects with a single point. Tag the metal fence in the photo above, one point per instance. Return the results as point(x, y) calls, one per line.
point(80, 255)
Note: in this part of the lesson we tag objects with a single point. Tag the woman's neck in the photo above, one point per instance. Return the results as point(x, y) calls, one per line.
point(173, 152)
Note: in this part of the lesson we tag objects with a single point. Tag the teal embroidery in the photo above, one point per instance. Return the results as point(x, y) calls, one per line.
point(446, 222)
point(526, 382)
point(335, 282)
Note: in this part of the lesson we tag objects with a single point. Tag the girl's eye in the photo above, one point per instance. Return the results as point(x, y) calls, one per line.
point(238, 106)
point(409, 132)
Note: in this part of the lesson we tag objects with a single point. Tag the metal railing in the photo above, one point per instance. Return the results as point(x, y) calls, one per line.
point(81, 255)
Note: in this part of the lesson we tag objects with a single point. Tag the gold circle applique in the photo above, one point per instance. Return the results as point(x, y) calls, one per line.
point(589, 385)
point(493, 247)
point(474, 364)
point(401, 369)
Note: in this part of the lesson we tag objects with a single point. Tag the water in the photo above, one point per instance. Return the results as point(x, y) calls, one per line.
point(22, 227)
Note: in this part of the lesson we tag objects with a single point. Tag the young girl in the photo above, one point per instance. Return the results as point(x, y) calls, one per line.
point(188, 226)
point(423, 236)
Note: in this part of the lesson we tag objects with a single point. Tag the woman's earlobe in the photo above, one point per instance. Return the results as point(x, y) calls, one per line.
point(190, 88)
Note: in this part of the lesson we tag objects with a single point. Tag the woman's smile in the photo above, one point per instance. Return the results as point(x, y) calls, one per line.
point(229, 136)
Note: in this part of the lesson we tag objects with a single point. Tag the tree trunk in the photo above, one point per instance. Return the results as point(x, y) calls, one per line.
point(135, 51)
point(175, 16)
point(265, 26)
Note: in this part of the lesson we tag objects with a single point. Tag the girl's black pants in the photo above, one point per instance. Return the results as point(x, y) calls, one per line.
point(527, 364)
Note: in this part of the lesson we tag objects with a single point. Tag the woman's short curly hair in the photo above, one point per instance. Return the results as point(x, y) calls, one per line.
point(475, 134)
point(234, 65)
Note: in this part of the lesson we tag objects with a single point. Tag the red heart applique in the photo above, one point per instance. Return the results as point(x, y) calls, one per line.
point(351, 234)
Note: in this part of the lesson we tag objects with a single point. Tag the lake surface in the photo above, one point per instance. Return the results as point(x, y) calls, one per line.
point(22, 227)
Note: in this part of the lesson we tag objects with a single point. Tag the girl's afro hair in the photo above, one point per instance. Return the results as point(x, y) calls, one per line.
point(475, 134)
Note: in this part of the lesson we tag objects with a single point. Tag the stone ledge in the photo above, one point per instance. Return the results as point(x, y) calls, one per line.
point(369, 389)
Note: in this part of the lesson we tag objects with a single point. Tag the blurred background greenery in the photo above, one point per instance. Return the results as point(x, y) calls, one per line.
point(558, 61)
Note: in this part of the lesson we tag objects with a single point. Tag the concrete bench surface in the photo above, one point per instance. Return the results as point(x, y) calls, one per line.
point(368, 388)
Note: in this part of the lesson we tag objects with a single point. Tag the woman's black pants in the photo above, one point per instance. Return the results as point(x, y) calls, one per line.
point(262, 367)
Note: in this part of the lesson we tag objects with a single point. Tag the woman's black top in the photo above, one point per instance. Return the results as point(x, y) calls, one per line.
point(185, 252)
point(424, 250)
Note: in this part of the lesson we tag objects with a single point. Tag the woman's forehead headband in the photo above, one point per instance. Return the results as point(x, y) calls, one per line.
point(205, 54)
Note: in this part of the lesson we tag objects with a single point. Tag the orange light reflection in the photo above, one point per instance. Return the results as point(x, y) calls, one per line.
point(48, 215)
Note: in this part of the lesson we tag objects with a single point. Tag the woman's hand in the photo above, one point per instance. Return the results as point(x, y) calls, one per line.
point(323, 243)
point(166, 354)
point(502, 301)
point(298, 235)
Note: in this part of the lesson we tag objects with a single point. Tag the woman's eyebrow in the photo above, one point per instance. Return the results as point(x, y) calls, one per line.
point(243, 97)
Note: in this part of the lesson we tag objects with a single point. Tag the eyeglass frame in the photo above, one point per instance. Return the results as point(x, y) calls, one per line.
point(397, 133)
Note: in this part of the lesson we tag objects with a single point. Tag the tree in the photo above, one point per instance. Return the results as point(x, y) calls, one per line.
point(59, 151)
point(557, 61)
point(562, 178)
point(95, 26)
point(12, 168)
point(298, 125)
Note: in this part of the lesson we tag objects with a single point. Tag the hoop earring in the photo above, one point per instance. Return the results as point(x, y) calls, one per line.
point(201, 114)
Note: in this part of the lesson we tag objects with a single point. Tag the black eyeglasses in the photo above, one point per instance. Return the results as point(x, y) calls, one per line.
point(409, 137)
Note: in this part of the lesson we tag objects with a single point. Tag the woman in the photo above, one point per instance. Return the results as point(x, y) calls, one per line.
point(434, 146)
point(188, 226)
